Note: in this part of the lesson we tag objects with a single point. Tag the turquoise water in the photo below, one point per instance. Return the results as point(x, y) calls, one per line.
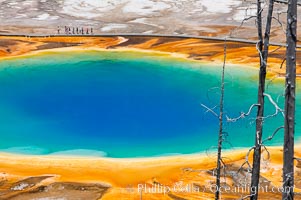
point(123, 104)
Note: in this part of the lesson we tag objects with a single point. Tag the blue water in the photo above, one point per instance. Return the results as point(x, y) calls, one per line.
point(123, 104)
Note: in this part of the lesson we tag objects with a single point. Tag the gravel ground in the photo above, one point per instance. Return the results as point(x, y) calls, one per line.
point(190, 17)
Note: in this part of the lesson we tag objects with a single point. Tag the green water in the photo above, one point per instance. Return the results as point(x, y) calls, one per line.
point(125, 104)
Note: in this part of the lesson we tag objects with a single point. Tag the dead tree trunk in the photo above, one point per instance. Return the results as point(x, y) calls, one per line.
point(261, 88)
point(290, 85)
point(220, 134)
point(259, 119)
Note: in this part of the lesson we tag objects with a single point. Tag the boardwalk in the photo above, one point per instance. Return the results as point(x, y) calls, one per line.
point(148, 35)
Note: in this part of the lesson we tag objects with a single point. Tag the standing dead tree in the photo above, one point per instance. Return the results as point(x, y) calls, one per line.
point(263, 48)
point(260, 110)
point(220, 134)
point(290, 86)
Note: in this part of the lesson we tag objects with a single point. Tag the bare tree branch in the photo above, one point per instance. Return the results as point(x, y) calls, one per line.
point(279, 21)
point(282, 63)
point(274, 133)
point(276, 49)
point(243, 114)
point(247, 18)
point(260, 52)
point(210, 110)
point(266, 150)
point(247, 160)
point(269, 82)
point(241, 24)
point(277, 109)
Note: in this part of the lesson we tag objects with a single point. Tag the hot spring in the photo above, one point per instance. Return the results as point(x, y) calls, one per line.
point(125, 104)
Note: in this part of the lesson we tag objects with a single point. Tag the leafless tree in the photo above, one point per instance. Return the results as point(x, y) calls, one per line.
point(259, 147)
point(220, 134)
point(290, 85)
point(263, 48)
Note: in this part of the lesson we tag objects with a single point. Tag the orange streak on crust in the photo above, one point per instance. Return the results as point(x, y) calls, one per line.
point(197, 49)
point(121, 173)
